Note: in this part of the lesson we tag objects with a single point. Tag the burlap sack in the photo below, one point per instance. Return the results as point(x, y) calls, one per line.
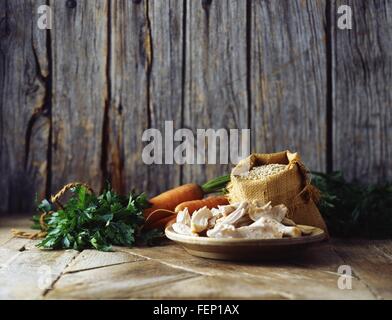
point(291, 187)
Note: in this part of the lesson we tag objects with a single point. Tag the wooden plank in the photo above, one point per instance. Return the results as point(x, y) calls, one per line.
point(321, 258)
point(130, 65)
point(214, 287)
point(288, 78)
point(215, 88)
point(6, 256)
point(314, 274)
point(80, 91)
point(165, 83)
point(31, 273)
point(371, 262)
point(311, 275)
point(151, 33)
point(362, 95)
point(16, 243)
point(92, 259)
point(115, 282)
point(12, 222)
point(272, 286)
point(24, 125)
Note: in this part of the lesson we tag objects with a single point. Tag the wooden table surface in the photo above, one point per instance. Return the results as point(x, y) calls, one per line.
point(168, 272)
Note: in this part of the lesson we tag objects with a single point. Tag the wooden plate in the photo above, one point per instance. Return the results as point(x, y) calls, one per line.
point(245, 249)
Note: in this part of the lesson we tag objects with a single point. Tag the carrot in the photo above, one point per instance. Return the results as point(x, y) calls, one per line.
point(160, 218)
point(160, 224)
point(162, 207)
point(168, 200)
point(158, 214)
point(210, 202)
point(170, 222)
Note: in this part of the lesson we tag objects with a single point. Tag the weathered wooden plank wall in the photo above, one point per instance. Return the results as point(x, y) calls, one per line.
point(288, 78)
point(215, 85)
point(362, 91)
point(24, 121)
point(166, 80)
point(76, 99)
point(79, 90)
point(128, 112)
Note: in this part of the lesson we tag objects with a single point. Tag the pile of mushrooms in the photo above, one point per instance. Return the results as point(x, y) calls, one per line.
point(240, 220)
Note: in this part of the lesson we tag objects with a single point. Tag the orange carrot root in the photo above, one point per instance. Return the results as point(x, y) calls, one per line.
point(168, 200)
point(160, 224)
point(210, 202)
point(158, 215)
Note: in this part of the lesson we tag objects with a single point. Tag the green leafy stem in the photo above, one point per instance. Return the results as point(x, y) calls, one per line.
point(90, 221)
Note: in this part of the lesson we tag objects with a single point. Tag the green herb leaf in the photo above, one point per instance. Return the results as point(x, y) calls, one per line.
point(351, 209)
point(89, 221)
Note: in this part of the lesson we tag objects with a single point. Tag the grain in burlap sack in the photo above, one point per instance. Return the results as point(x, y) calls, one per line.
point(291, 187)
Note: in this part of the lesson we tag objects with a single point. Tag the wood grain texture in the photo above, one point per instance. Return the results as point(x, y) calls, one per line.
point(270, 286)
point(215, 88)
point(80, 91)
point(128, 114)
point(165, 83)
point(362, 92)
point(120, 281)
point(167, 271)
point(24, 125)
point(312, 274)
point(36, 271)
point(371, 261)
point(288, 78)
point(8, 222)
point(14, 243)
point(92, 259)
point(75, 100)
point(6, 256)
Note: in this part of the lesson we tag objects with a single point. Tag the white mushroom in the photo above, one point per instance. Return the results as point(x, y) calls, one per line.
point(255, 220)
point(183, 229)
point(288, 222)
point(292, 232)
point(244, 221)
point(184, 217)
point(265, 231)
point(216, 212)
point(226, 210)
point(223, 231)
point(212, 222)
point(306, 229)
point(277, 213)
point(261, 205)
point(223, 211)
point(236, 215)
point(200, 218)
point(256, 209)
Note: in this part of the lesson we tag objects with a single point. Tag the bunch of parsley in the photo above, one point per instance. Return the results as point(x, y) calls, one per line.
point(90, 221)
point(351, 209)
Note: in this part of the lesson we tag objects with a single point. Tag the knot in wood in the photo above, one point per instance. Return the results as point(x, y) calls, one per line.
point(205, 4)
point(71, 4)
point(5, 29)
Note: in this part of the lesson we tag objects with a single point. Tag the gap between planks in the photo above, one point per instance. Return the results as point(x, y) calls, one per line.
point(82, 267)
point(349, 252)
point(118, 281)
point(368, 261)
point(323, 265)
point(51, 287)
point(357, 276)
